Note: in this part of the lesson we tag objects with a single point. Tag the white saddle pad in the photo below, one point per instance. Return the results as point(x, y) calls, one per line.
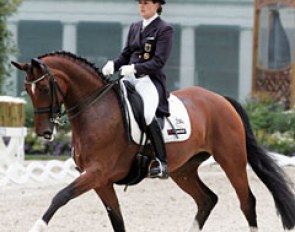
point(179, 119)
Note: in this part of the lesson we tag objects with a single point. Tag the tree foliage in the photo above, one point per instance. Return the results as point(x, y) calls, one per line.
point(7, 46)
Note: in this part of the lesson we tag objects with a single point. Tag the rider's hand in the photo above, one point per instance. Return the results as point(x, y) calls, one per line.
point(108, 69)
point(128, 70)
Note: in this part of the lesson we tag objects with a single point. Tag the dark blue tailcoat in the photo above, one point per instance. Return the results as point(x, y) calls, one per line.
point(149, 50)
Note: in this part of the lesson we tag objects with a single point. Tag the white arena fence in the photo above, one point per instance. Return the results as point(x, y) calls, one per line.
point(15, 170)
point(20, 173)
point(13, 167)
point(282, 160)
point(38, 172)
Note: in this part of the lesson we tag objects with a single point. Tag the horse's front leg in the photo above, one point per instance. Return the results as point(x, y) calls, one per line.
point(109, 198)
point(88, 180)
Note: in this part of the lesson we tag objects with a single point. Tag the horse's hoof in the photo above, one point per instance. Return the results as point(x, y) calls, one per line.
point(39, 226)
point(253, 229)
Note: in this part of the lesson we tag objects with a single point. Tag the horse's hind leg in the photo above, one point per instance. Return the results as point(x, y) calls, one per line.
point(235, 168)
point(110, 201)
point(82, 184)
point(188, 180)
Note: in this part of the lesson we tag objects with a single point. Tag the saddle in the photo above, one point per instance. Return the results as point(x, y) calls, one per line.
point(175, 128)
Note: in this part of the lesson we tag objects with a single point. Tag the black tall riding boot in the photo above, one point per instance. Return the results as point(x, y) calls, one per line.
point(156, 137)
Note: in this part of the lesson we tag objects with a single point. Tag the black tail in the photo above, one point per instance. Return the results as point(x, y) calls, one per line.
point(269, 172)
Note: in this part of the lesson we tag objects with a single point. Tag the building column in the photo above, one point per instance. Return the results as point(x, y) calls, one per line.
point(187, 57)
point(245, 63)
point(125, 33)
point(10, 83)
point(69, 42)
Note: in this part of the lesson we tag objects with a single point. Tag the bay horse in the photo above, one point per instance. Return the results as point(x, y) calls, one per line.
point(220, 128)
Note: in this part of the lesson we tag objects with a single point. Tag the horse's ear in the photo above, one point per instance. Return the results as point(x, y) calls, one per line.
point(36, 63)
point(20, 66)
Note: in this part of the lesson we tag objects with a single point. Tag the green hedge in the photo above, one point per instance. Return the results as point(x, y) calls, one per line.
point(7, 46)
point(61, 146)
point(273, 126)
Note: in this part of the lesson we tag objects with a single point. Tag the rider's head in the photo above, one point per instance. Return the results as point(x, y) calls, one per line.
point(149, 8)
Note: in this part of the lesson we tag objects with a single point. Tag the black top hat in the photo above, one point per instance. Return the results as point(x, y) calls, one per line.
point(160, 1)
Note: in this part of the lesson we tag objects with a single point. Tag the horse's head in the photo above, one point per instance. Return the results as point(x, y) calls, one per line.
point(46, 94)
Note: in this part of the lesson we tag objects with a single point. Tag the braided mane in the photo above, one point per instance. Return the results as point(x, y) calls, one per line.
point(76, 58)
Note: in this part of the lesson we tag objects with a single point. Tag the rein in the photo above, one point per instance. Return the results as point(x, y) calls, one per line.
point(77, 109)
point(55, 108)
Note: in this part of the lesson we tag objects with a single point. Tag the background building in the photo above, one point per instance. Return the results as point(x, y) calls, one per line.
point(212, 40)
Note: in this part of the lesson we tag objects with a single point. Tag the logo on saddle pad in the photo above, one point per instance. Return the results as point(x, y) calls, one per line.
point(176, 132)
point(177, 127)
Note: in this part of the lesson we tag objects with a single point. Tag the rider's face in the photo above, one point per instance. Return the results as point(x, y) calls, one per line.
point(147, 8)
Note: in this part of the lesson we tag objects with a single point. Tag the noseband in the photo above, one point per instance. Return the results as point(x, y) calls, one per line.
point(55, 108)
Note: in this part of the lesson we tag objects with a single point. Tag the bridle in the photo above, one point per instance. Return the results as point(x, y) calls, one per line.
point(55, 108)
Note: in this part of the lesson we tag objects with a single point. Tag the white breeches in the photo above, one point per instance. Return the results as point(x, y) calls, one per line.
point(149, 94)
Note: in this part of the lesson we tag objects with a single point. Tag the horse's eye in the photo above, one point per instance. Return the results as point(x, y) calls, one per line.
point(44, 90)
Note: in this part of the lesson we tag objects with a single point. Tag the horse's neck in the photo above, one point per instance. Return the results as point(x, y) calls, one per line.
point(81, 81)
point(80, 88)
point(99, 121)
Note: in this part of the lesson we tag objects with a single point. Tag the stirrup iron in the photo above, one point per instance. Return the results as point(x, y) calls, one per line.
point(160, 166)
